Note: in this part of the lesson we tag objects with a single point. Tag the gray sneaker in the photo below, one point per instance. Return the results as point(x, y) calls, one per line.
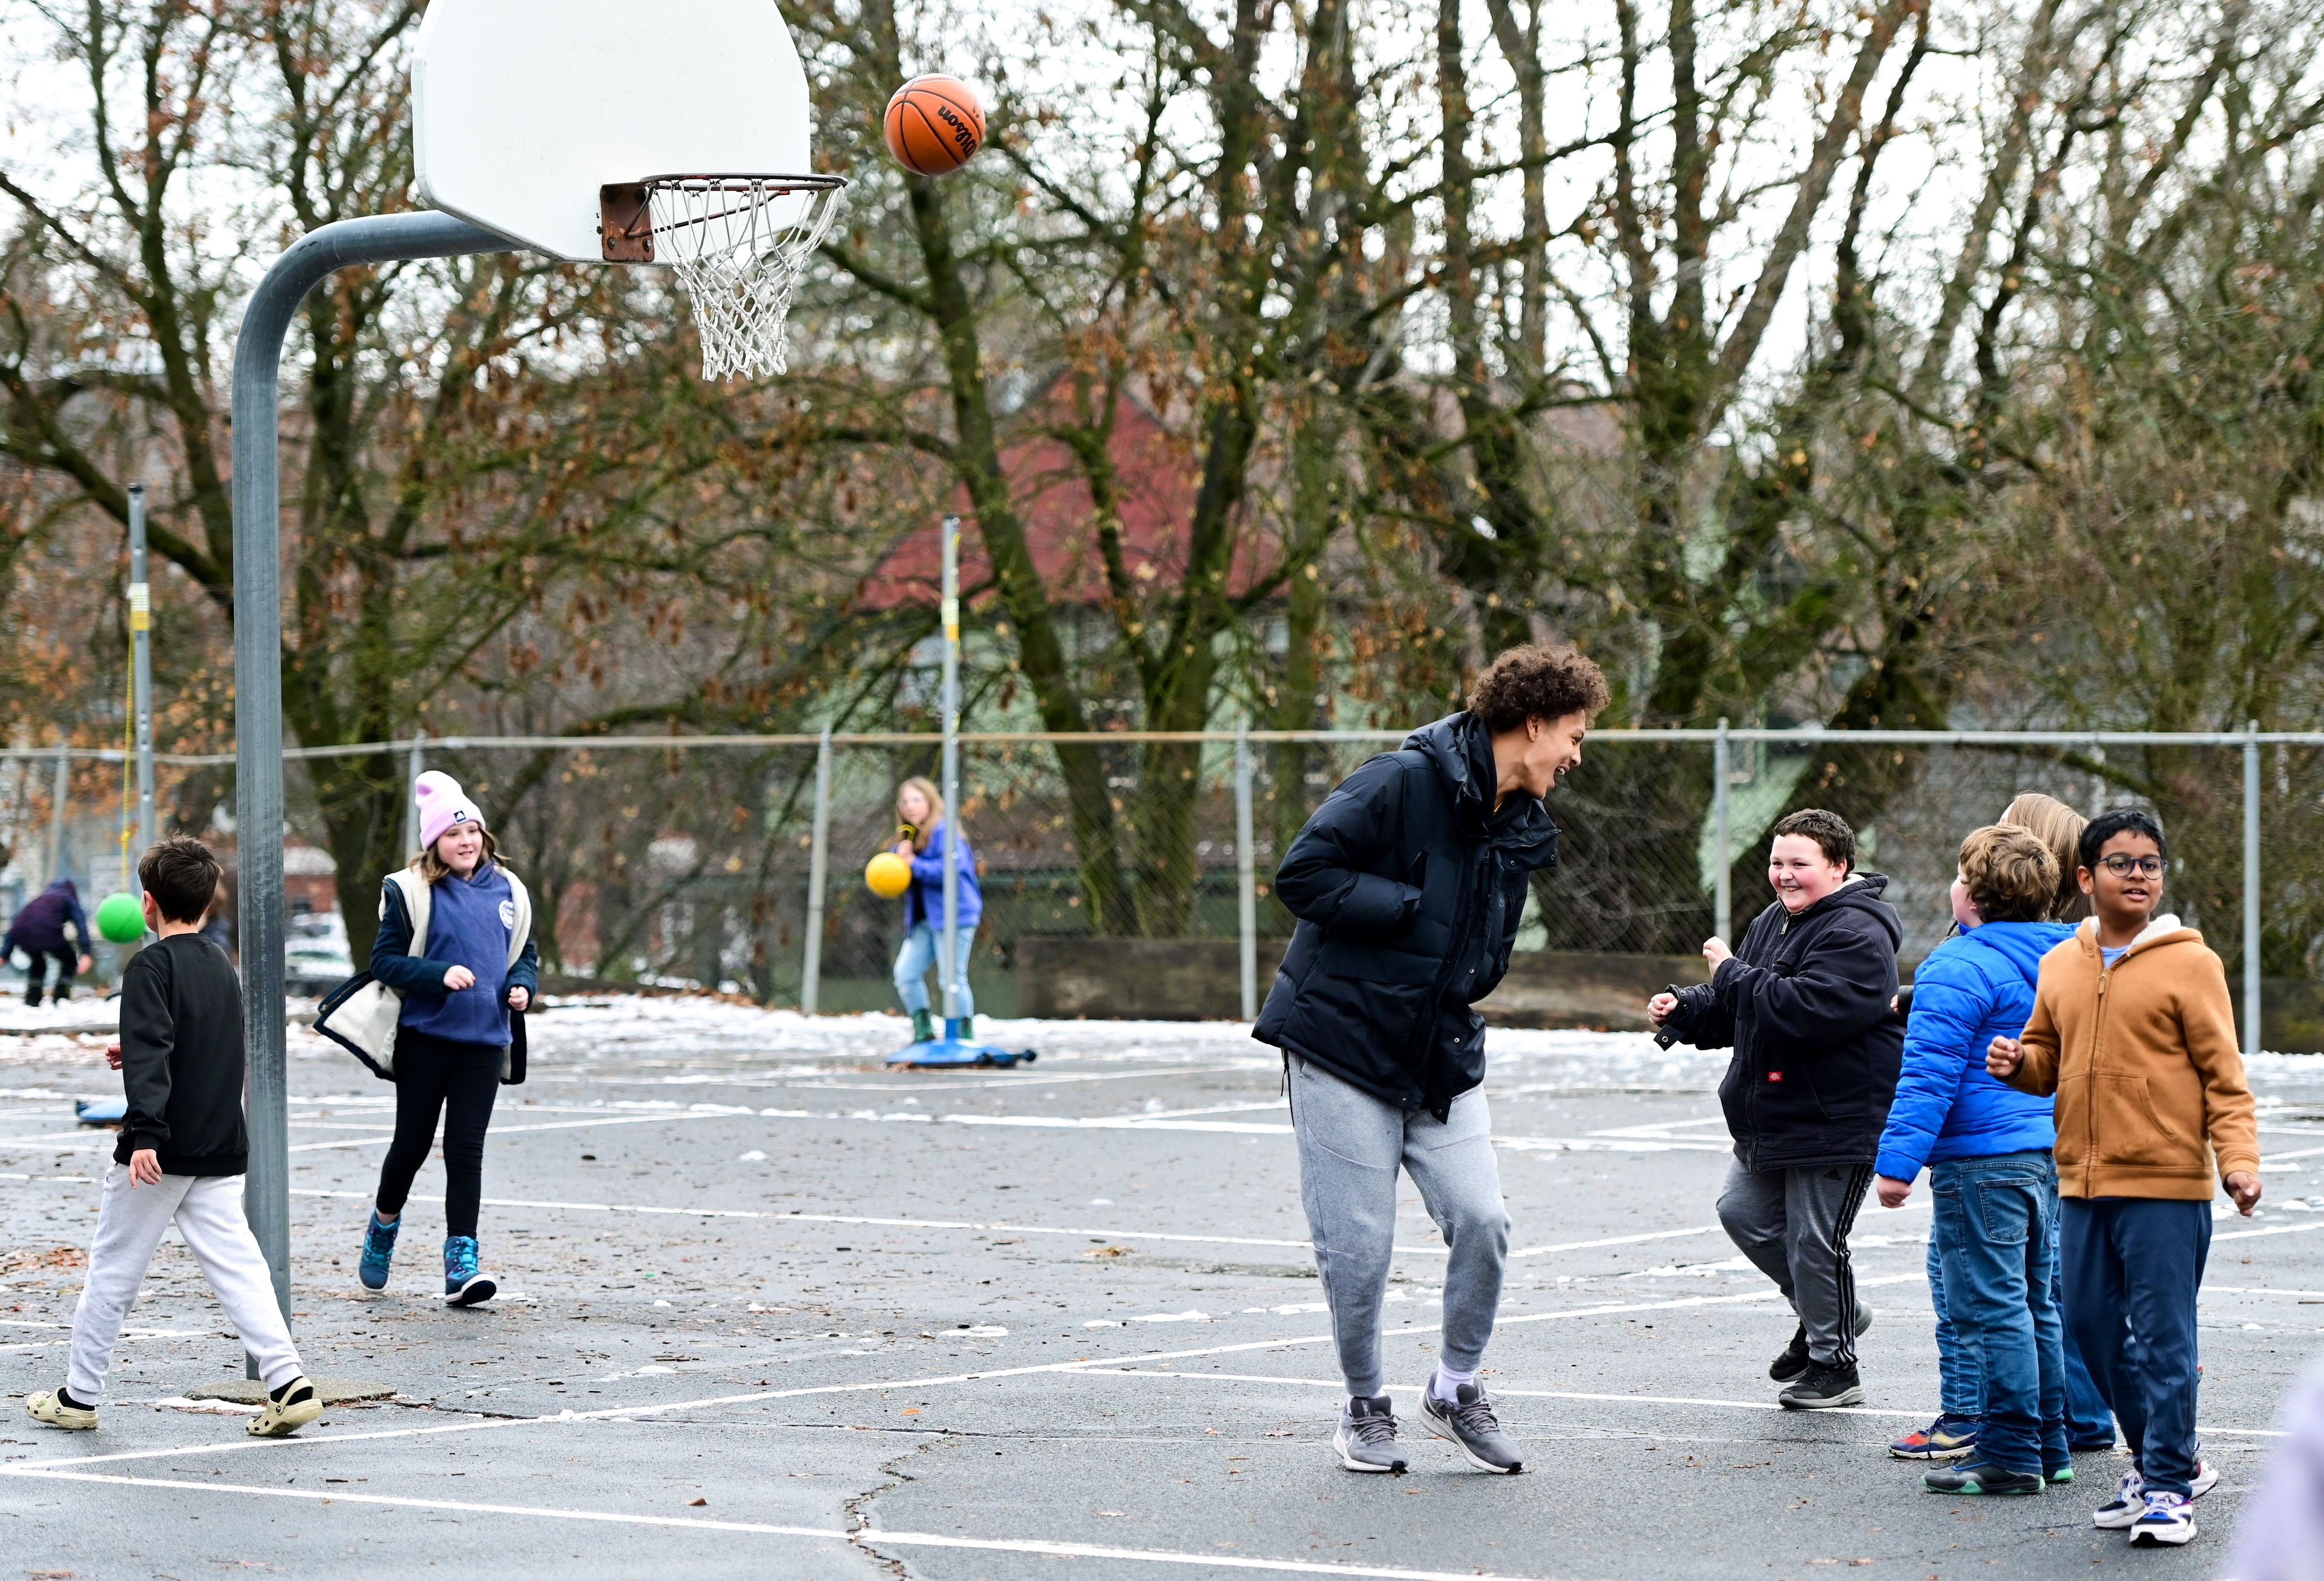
point(1470, 1422)
point(1366, 1441)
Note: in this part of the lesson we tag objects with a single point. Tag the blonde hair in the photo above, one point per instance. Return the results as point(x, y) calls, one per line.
point(2010, 875)
point(434, 870)
point(927, 788)
point(2059, 827)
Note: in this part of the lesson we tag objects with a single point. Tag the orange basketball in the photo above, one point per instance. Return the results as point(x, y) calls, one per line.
point(933, 126)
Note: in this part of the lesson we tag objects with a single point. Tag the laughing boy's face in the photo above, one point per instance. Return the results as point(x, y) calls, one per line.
point(2126, 884)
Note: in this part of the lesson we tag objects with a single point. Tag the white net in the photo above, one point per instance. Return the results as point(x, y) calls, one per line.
point(739, 244)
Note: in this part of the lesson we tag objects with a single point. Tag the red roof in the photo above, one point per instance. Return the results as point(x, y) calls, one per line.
point(1158, 478)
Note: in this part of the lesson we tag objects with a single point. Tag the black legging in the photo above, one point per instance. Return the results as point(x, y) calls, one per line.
point(36, 976)
point(433, 1076)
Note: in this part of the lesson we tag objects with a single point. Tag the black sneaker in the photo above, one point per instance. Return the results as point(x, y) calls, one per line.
point(1795, 1359)
point(1824, 1385)
point(1982, 1476)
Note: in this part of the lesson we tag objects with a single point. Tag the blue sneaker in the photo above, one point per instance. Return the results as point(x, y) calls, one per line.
point(379, 1250)
point(463, 1285)
point(1949, 1438)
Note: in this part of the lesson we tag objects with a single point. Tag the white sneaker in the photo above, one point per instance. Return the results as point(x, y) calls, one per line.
point(2168, 1519)
point(2206, 1478)
point(2128, 1504)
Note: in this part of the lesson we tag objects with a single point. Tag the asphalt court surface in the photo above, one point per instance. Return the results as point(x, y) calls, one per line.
point(770, 1308)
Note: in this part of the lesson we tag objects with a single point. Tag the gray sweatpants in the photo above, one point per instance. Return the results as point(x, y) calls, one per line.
point(1350, 1144)
point(1794, 1223)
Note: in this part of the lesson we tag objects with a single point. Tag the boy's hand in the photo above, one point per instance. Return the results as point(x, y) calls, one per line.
point(1715, 951)
point(1662, 1008)
point(1893, 1191)
point(113, 1055)
point(519, 999)
point(144, 1168)
point(459, 978)
point(2243, 1187)
point(2003, 1056)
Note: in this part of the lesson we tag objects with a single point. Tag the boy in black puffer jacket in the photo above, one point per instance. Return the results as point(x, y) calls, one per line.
point(1805, 1006)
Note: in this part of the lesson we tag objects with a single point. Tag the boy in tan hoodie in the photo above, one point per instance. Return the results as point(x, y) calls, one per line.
point(2135, 1032)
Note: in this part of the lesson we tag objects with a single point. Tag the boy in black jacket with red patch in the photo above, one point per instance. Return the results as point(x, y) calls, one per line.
point(182, 1154)
point(1805, 1006)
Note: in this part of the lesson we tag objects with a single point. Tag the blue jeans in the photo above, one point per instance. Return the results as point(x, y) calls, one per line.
point(1962, 1382)
point(1996, 1219)
point(924, 948)
point(2140, 1258)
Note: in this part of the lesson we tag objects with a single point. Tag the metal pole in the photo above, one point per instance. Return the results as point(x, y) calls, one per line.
point(141, 646)
point(1722, 828)
point(818, 869)
point(1246, 880)
point(2252, 992)
point(258, 670)
point(417, 766)
point(949, 612)
point(57, 800)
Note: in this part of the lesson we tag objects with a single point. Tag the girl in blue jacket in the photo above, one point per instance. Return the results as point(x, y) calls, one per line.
point(462, 976)
point(925, 840)
point(1987, 1149)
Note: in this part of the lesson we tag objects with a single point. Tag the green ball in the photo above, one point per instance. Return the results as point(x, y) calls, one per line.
point(120, 918)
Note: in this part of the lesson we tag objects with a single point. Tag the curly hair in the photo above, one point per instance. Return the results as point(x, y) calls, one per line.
point(2011, 876)
point(1541, 680)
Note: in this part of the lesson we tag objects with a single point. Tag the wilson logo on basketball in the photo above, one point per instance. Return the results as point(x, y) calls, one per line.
point(963, 138)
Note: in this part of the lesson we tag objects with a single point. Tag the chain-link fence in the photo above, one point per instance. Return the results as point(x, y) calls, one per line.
point(688, 861)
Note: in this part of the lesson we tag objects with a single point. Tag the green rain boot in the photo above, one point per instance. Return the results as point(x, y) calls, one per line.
point(968, 1028)
point(924, 1030)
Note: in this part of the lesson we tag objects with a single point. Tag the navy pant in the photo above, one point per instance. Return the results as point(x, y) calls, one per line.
point(1994, 1219)
point(2140, 1258)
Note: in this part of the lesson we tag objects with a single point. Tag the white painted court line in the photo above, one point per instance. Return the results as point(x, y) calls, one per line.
point(865, 1537)
point(760, 1396)
point(864, 1220)
point(1682, 1399)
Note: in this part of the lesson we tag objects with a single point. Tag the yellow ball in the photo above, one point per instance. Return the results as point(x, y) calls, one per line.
point(888, 875)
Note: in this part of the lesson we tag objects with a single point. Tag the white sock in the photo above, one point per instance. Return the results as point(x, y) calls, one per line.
point(1446, 1383)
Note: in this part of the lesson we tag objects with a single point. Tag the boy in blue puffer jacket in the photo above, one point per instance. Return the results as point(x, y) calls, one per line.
point(1988, 1147)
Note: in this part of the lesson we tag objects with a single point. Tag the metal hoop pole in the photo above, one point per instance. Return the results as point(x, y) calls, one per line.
point(141, 647)
point(258, 670)
point(949, 613)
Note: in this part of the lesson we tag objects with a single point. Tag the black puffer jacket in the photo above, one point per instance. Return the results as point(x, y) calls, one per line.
point(1804, 1003)
point(1409, 886)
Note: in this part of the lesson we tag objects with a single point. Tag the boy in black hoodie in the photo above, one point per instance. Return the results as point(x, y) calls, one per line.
point(1805, 1006)
point(181, 1153)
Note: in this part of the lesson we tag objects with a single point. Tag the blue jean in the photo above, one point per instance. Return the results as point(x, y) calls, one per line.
point(924, 948)
point(1995, 1221)
point(2140, 1258)
point(1961, 1381)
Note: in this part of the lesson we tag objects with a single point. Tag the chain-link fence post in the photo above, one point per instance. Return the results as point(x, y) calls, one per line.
point(818, 871)
point(1246, 882)
point(1722, 785)
point(411, 793)
point(57, 814)
point(2252, 992)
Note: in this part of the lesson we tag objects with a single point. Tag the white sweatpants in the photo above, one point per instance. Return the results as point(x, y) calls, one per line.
point(207, 1209)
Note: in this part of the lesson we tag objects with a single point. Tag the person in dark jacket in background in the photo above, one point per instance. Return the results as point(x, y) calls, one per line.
point(1408, 884)
point(1805, 1006)
point(181, 1153)
point(475, 966)
point(52, 926)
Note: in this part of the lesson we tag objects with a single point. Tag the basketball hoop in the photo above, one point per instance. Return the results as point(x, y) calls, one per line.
point(739, 244)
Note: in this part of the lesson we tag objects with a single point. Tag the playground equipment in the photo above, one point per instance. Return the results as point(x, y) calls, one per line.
point(120, 917)
point(952, 1049)
point(545, 125)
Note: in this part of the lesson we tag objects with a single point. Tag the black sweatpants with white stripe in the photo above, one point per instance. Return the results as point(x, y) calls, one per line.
point(1793, 1224)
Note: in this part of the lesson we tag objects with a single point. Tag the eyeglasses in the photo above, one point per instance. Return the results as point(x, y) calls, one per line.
point(2123, 867)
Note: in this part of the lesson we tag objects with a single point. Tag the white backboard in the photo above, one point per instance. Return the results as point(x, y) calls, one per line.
point(522, 109)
